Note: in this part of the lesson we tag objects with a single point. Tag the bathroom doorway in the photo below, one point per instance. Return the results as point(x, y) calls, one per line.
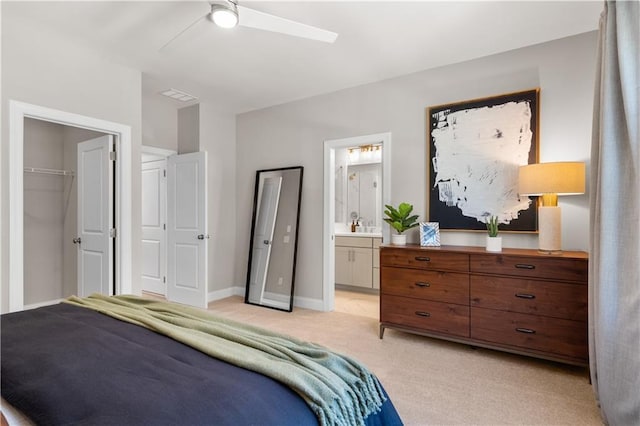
point(336, 155)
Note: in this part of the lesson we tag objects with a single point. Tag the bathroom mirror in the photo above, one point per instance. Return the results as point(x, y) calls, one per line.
point(274, 238)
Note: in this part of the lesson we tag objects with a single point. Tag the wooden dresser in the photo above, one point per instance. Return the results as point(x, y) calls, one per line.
point(519, 300)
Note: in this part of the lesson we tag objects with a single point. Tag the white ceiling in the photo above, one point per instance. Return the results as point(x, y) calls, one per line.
point(245, 69)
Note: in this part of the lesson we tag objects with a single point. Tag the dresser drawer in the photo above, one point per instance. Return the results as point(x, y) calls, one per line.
point(425, 315)
point(548, 298)
point(556, 268)
point(552, 335)
point(424, 259)
point(448, 287)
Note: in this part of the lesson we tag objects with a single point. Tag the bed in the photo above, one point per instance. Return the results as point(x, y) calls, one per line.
point(80, 363)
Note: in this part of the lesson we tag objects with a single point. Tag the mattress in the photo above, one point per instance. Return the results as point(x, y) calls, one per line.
point(64, 364)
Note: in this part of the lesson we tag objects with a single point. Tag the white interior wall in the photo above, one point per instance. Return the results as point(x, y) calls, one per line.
point(55, 72)
point(218, 138)
point(159, 122)
point(293, 134)
point(189, 129)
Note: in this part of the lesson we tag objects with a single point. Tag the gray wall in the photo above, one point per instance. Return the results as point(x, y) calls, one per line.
point(218, 138)
point(159, 122)
point(44, 197)
point(293, 134)
point(189, 129)
point(55, 72)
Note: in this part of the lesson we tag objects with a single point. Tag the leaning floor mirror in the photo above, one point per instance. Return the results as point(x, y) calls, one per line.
point(274, 238)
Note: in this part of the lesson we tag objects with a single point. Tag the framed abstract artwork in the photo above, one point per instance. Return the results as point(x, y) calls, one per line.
point(429, 234)
point(475, 148)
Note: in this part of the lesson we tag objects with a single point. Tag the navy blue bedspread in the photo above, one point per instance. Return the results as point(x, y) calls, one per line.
point(66, 365)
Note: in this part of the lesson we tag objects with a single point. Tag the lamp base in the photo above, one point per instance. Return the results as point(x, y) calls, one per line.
point(550, 236)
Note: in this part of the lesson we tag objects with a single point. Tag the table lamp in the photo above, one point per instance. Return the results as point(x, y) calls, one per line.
point(548, 180)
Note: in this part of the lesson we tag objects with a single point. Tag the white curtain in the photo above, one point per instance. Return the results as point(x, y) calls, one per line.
point(614, 266)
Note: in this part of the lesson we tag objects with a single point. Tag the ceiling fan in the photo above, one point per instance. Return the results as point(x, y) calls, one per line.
point(228, 14)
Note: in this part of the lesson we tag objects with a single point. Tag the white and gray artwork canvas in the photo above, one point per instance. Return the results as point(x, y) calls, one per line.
point(477, 155)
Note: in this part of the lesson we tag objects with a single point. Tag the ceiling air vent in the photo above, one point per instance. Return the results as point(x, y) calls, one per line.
point(178, 95)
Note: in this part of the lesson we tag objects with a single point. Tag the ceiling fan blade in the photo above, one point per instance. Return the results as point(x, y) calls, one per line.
point(191, 25)
point(264, 21)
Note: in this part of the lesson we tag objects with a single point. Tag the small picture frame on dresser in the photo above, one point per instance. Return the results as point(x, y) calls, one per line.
point(430, 234)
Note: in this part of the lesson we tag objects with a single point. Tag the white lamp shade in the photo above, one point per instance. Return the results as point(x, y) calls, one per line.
point(564, 178)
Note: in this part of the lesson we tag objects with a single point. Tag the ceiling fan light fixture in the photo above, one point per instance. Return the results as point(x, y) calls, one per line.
point(224, 15)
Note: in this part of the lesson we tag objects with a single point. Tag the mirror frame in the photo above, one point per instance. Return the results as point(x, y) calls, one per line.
point(295, 236)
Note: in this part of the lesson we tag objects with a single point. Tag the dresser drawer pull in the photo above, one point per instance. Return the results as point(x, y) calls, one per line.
point(423, 314)
point(525, 296)
point(421, 284)
point(525, 266)
point(423, 258)
point(525, 330)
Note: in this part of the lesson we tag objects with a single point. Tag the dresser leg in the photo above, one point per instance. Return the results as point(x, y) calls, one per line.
point(381, 331)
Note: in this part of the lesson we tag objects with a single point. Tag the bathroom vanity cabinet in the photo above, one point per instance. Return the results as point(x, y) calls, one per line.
point(357, 261)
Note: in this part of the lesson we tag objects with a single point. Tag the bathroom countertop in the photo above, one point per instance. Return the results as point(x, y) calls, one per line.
point(359, 234)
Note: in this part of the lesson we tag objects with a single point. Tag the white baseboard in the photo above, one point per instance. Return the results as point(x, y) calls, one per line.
point(298, 302)
point(41, 304)
point(308, 303)
point(224, 293)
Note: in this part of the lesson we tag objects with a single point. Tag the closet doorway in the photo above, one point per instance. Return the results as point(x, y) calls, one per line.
point(66, 184)
point(44, 179)
point(331, 151)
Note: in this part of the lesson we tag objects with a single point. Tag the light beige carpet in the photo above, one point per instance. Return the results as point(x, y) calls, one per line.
point(433, 382)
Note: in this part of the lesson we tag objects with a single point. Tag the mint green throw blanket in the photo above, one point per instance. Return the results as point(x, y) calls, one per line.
point(339, 390)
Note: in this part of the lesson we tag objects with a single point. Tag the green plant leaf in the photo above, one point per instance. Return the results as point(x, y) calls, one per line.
point(399, 218)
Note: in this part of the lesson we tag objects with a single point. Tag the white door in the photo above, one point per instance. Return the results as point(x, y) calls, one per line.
point(154, 224)
point(187, 229)
point(95, 216)
point(269, 198)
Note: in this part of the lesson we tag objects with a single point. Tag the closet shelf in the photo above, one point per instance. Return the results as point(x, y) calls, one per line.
point(49, 171)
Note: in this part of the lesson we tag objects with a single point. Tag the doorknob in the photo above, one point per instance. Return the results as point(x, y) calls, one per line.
point(77, 240)
point(266, 242)
point(202, 236)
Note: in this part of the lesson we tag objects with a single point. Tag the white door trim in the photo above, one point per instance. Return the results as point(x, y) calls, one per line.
point(328, 245)
point(18, 111)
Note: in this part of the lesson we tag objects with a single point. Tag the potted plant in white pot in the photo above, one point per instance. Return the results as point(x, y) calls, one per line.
point(494, 243)
point(400, 219)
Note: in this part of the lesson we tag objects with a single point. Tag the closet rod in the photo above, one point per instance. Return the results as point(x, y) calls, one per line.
point(49, 171)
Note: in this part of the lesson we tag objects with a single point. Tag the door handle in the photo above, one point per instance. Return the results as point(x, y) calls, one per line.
point(77, 240)
point(266, 242)
point(203, 236)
